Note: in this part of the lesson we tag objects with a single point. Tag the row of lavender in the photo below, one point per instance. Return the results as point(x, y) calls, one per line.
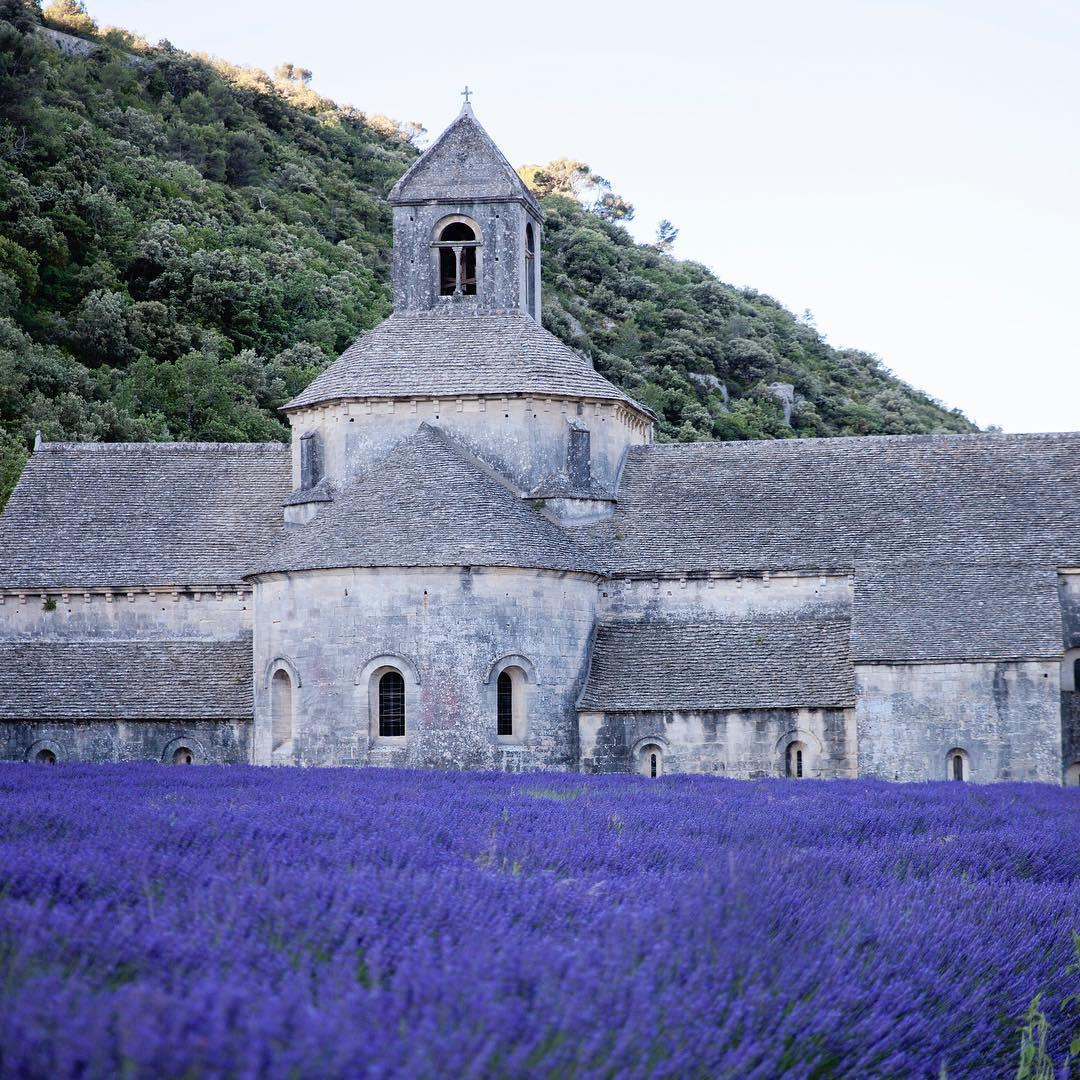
point(242, 922)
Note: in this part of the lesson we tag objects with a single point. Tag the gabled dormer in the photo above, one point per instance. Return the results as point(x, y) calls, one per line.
point(467, 231)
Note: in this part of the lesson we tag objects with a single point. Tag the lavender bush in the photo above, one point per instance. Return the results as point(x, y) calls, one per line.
point(254, 922)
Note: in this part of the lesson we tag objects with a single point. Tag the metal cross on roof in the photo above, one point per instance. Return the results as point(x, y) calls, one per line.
point(466, 93)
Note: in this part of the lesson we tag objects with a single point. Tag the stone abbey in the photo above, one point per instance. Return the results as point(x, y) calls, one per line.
point(474, 555)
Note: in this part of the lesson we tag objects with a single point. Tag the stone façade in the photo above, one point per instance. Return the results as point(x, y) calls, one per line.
point(473, 555)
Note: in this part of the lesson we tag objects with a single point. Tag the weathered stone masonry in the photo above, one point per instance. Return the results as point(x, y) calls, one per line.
point(473, 555)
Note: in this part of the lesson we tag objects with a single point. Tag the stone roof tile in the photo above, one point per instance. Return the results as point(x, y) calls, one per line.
point(126, 680)
point(930, 609)
point(428, 503)
point(462, 164)
point(763, 663)
point(954, 540)
point(128, 514)
point(441, 354)
point(830, 503)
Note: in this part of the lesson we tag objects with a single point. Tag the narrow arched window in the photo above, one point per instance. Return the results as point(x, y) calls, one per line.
point(796, 753)
point(457, 260)
point(957, 767)
point(530, 271)
point(650, 761)
point(391, 704)
point(281, 708)
point(505, 704)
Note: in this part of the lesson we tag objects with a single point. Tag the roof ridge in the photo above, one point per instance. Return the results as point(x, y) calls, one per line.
point(428, 502)
point(797, 616)
point(477, 462)
point(244, 639)
point(863, 440)
point(98, 446)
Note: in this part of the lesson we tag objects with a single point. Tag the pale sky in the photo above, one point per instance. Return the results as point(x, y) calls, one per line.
point(909, 172)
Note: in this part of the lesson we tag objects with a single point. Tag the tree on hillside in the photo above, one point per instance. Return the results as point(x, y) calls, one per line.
point(612, 207)
point(292, 73)
point(70, 15)
point(185, 243)
point(564, 176)
point(666, 235)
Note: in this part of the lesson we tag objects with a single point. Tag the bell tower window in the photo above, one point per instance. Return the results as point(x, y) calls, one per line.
point(456, 245)
point(530, 270)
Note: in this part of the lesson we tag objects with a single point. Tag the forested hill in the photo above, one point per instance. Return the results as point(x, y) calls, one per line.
point(185, 244)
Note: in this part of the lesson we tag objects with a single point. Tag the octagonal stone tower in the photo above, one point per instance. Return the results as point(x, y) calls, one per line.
point(429, 601)
point(465, 350)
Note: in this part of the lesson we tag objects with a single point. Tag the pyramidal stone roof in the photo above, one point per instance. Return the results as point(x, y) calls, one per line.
point(428, 503)
point(130, 514)
point(435, 354)
point(462, 165)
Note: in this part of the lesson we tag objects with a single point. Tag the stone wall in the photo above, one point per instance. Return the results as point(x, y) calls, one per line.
point(122, 615)
point(1006, 715)
point(526, 439)
point(746, 745)
point(445, 630)
point(727, 596)
point(145, 615)
point(221, 742)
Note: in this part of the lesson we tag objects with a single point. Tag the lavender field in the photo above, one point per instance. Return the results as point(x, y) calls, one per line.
point(242, 922)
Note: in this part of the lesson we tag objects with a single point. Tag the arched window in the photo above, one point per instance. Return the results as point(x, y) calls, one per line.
point(45, 756)
point(957, 760)
point(511, 690)
point(281, 708)
point(456, 245)
point(651, 761)
point(795, 760)
point(183, 755)
point(391, 704)
point(511, 697)
point(530, 271)
point(505, 695)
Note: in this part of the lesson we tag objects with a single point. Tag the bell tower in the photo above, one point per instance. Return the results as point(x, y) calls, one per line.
point(467, 231)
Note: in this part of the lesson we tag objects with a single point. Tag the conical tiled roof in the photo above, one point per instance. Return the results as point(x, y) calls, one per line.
point(427, 504)
point(462, 164)
point(431, 354)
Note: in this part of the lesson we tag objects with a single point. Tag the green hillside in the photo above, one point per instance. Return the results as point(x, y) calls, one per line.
point(184, 244)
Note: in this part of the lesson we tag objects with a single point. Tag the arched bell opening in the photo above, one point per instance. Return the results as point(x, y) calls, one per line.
point(456, 245)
